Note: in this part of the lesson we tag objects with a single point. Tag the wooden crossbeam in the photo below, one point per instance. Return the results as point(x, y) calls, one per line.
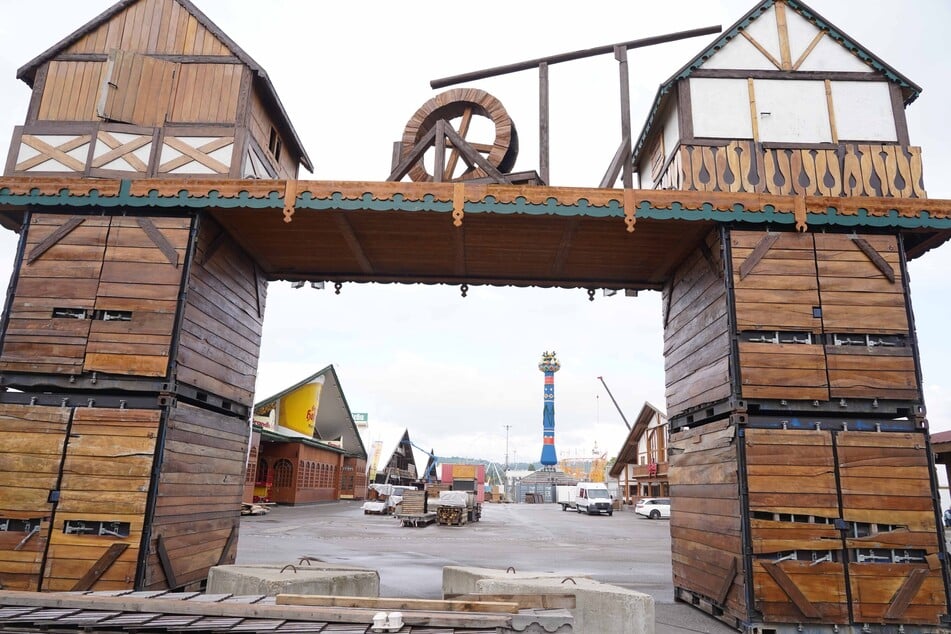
point(121, 150)
point(880, 263)
point(166, 563)
point(88, 580)
point(384, 603)
point(524, 601)
point(199, 154)
point(760, 251)
point(159, 240)
point(49, 241)
point(57, 153)
point(909, 588)
point(792, 590)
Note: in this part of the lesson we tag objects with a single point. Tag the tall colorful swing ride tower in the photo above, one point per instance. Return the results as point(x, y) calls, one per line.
point(549, 365)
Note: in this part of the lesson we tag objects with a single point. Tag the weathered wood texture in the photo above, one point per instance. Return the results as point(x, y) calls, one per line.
point(106, 476)
point(848, 169)
point(223, 315)
point(705, 522)
point(199, 492)
point(818, 290)
point(100, 297)
point(152, 66)
point(31, 449)
point(696, 336)
point(800, 483)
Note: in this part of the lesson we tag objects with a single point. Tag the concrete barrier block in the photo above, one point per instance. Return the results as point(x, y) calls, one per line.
point(270, 579)
point(600, 608)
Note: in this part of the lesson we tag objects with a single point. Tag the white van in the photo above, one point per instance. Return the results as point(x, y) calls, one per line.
point(593, 498)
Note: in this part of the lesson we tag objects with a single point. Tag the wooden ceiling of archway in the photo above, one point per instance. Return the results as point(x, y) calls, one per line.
point(474, 234)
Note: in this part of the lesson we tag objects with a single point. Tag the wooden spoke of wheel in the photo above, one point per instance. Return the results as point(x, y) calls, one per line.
point(462, 104)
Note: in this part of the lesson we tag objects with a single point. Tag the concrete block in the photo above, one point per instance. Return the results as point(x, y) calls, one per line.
point(270, 579)
point(600, 608)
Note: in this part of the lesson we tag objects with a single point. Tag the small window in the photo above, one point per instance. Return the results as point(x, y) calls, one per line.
point(274, 145)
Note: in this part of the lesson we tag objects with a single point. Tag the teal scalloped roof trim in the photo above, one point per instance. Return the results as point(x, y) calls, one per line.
point(368, 201)
point(490, 204)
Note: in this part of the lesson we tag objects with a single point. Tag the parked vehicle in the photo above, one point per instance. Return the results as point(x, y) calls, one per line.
point(653, 508)
point(593, 498)
point(565, 495)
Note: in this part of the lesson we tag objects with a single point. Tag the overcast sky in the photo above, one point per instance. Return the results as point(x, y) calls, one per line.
point(457, 371)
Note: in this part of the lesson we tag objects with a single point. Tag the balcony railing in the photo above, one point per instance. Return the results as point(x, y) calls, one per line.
point(114, 150)
point(846, 169)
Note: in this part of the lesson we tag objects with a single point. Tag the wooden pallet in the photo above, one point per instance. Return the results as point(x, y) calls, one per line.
point(416, 520)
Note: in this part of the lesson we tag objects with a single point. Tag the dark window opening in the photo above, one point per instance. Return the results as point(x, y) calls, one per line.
point(274, 145)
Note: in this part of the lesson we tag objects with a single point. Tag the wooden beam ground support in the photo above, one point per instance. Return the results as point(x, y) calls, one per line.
point(166, 562)
point(620, 54)
point(543, 125)
point(88, 580)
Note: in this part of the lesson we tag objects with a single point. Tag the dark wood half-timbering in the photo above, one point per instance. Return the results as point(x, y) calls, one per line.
point(153, 88)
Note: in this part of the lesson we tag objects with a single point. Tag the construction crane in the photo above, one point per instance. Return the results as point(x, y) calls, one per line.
point(623, 417)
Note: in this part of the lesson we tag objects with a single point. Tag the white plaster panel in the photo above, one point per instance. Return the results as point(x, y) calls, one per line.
point(863, 111)
point(801, 33)
point(720, 108)
point(764, 30)
point(26, 152)
point(671, 130)
point(119, 165)
point(739, 54)
point(223, 155)
point(791, 111)
point(169, 153)
point(829, 55)
point(193, 167)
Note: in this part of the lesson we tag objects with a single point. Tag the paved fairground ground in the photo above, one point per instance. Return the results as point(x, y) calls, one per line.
point(625, 550)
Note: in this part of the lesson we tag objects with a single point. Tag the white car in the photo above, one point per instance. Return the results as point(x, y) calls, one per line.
point(653, 508)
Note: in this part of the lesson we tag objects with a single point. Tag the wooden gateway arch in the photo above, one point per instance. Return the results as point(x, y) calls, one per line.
point(153, 213)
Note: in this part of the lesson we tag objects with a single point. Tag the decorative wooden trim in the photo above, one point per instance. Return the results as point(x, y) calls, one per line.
point(200, 154)
point(158, 239)
point(57, 153)
point(783, 30)
point(754, 118)
point(880, 263)
point(684, 110)
point(64, 230)
point(88, 580)
point(761, 249)
point(805, 53)
point(166, 563)
point(909, 588)
point(125, 151)
point(792, 591)
point(831, 108)
point(14, 151)
point(232, 538)
point(898, 109)
point(759, 47)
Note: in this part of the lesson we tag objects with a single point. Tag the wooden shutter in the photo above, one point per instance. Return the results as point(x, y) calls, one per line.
point(137, 89)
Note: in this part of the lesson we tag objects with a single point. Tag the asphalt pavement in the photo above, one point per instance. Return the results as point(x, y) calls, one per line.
point(624, 549)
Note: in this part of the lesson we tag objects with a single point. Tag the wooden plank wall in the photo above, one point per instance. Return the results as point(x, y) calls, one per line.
point(152, 26)
point(706, 542)
point(696, 336)
point(775, 288)
point(855, 283)
point(66, 275)
point(793, 501)
point(886, 483)
point(859, 297)
point(71, 91)
point(260, 124)
point(224, 313)
point(31, 450)
point(106, 477)
point(139, 276)
point(198, 502)
point(206, 93)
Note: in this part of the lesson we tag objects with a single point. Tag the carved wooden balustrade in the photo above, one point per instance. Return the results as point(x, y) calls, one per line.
point(845, 169)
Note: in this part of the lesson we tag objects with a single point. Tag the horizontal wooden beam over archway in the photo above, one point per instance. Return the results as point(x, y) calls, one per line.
point(458, 233)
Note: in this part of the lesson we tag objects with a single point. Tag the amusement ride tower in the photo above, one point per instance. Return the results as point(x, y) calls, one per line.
point(549, 365)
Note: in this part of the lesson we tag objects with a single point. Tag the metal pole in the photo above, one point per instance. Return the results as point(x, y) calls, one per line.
point(623, 417)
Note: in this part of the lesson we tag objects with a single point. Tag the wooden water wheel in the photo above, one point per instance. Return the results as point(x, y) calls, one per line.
point(458, 107)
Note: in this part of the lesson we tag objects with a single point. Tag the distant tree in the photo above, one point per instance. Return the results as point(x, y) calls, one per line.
point(531, 467)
